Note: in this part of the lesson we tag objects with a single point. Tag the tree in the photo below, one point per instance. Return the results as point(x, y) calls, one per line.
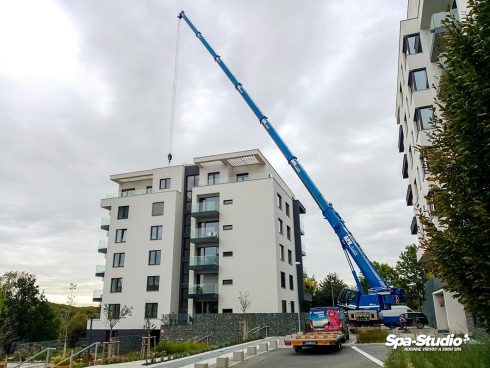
point(65, 316)
point(310, 285)
point(328, 290)
point(388, 273)
point(25, 313)
point(411, 276)
point(244, 301)
point(456, 230)
point(113, 314)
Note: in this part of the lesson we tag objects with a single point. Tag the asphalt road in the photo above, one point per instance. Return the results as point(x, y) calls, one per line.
point(346, 358)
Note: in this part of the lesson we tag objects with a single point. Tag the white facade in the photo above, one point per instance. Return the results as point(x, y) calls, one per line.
point(233, 204)
point(417, 87)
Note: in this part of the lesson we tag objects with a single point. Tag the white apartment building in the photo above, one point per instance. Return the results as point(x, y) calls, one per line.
point(417, 86)
point(188, 239)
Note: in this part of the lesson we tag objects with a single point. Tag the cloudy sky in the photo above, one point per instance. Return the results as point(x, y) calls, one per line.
point(85, 92)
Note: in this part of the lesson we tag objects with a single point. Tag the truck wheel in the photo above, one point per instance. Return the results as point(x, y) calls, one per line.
point(338, 347)
point(298, 349)
point(419, 325)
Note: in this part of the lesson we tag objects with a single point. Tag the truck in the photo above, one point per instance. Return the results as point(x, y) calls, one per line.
point(362, 307)
point(327, 329)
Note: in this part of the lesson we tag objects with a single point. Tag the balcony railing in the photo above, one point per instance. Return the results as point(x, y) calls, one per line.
point(203, 291)
point(302, 228)
point(129, 193)
point(102, 248)
point(436, 29)
point(104, 223)
point(99, 271)
point(97, 296)
point(204, 263)
point(232, 179)
point(206, 209)
point(199, 236)
point(303, 249)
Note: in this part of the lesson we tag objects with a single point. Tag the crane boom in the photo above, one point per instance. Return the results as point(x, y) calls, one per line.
point(349, 244)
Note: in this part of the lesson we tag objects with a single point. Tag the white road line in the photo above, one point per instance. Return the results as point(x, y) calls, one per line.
point(370, 357)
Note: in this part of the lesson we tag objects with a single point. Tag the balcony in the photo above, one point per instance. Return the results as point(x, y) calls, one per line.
point(233, 179)
point(100, 271)
point(302, 228)
point(405, 167)
point(206, 209)
point(129, 193)
point(436, 31)
point(409, 197)
point(104, 223)
point(97, 296)
point(202, 263)
point(102, 248)
point(303, 249)
point(203, 292)
point(401, 146)
point(413, 226)
point(204, 236)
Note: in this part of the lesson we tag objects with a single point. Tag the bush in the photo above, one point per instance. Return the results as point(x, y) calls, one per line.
point(175, 347)
point(371, 335)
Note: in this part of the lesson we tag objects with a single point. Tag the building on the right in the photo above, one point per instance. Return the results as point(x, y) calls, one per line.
point(420, 46)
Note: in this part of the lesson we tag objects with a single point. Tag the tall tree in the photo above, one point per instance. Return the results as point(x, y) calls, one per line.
point(388, 273)
point(411, 276)
point(328, 290)
point(457, 230)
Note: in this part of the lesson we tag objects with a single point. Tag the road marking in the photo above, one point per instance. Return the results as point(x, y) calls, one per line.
point(370, 357)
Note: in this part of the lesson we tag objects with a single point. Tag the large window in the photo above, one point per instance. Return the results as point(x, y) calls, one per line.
point(122, 212)
point(284, 306)
point(412, 44)
point(281, 251)
point(242, 177)
point(154, 257)
point(151, 310)
point(288, 232)
point(153, 283)
point(116, 285)
point(156, 232)
point(213, 178)
point(283, 280)
point(279, 201)
point(157, 209)
point(417, 80)
point(118, 260)
point(290, 257)
point(165, 183)
point(291, 282)
point(121, 235)
point(279, 221)
point(287, 209)
point(423, 117)
point(114, 311)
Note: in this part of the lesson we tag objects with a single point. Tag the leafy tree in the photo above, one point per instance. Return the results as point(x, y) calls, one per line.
point(25, 314)
point(328, 290)
point(411, 276)
point(388, 273)
point(310, 285)
point(456, 231)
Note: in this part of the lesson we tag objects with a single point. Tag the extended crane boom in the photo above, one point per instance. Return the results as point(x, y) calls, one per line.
point(380, 294)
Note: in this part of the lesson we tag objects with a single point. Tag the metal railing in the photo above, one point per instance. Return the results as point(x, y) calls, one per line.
point(28, 360)
point(255, 331)
point(199, 339)
point(70, 358)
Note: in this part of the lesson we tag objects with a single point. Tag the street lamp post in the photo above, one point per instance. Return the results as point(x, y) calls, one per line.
point(331, 289)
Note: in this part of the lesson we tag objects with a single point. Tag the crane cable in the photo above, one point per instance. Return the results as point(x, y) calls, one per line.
point(174, 95)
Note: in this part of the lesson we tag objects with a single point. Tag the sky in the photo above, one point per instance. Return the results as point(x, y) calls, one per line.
point(86, 90)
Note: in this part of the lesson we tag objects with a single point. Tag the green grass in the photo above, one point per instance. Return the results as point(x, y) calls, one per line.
point(470, 356)
point(371, 336)
point(175, 347)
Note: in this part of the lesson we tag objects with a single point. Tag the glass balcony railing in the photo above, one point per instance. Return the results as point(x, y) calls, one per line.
point(97, 296)
point(104, 223)
point(102, 247)
point(203, 262)
point(129, 193)
point(203, 289)
point(204, 235)
point(206, 206)
point(303, 249)
point(232, 179)
point(302, 228)
point(100, 270)
point(436, 29)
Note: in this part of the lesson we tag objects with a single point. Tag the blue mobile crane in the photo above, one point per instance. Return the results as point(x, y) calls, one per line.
point(362, 307)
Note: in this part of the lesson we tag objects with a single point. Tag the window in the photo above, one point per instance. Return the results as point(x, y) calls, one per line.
point(417, 80)
point(241, 177)
point(154, 257)
point(292, 306)
point(283, 280)
point(118, 260)
point(290, 257)
point(127, 192)
point(279, 201)
point(291, 282)
point(227, 227)
point(151, 310)
point(153, 283)
point(121, 235)
point(228, 310)
point(149, 189)
point(412, 44)
point(280, 226)
point(228, 201)
point(423, 117)
point(227, 254)
point(228, 282)
point(284, 307)
point(113, 311)
point(156, 232)
point(288, 232)
point(287, 209)
point(157, 209)
point(116, 285)
point(281, 251)
point(122, 212)
point(416, 191)
point(213, 178)
point(165, 183)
